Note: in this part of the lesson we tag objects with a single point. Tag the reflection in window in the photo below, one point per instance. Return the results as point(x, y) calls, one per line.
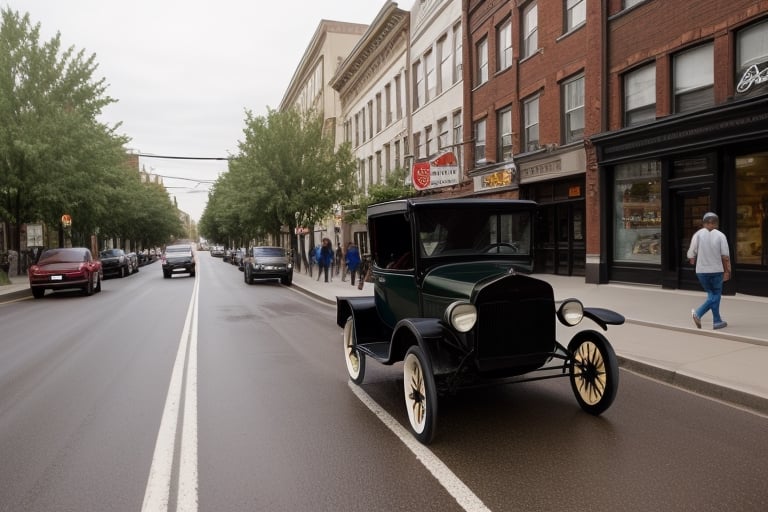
point(637, 212)
point(751, 209)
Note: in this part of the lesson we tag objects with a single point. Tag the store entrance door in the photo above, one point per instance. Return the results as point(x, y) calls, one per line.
point(689, 207)
point(561, 239)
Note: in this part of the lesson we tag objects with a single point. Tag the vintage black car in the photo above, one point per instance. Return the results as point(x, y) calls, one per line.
point(267, 263)
point(178, 258)
point(454, 301)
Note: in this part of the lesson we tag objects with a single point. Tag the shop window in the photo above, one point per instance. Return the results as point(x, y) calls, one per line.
point(637, 213)
point(752, 209)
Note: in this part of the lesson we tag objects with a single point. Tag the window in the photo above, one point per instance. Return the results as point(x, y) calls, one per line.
point(388, 103)
point(573, 104)
point(482, 62)
point(398, 98)
point(637, 212)
point(387, 158)
point(751, 57)
point(531, 123)
point(504, 45)
point(504, 135)
point(442, 133)
point(575, 13)
point(370, 118)
point(357, 129)
point(429, 81)
point(640, 96)
point(362, 123)
point(458, 56)
point(378, 167)
point(418, 85)
point(751, 208)
point(397, 154)
point(480, 142)
point(444, 73)
point(378, 113)
point(693, 77)
point(417, 145)
point(429, 145)
point(458, 135)
point(370, 172)
point(530, 30)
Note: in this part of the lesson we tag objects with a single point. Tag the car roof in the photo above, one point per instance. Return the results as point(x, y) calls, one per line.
point(418, 203)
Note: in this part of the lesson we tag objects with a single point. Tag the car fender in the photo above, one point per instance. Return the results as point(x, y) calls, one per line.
point(368, 325)
point(432, 336)
point(604, 317)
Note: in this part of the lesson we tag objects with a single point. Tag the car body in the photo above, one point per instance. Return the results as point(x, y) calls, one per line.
point(227, 255)
point(133, 260)
point(454, 301)
point(115, 263)
point(237, 257)
point(179, 258)
point(217, 251)
point(267, 262)
point(65, 268)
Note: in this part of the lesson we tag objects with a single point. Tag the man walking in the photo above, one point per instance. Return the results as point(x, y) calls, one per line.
point(709, 252)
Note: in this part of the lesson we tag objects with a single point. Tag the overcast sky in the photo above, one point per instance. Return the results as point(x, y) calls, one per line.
point(185, 71)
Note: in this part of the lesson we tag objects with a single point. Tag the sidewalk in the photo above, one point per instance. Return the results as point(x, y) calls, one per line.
point(658, 339)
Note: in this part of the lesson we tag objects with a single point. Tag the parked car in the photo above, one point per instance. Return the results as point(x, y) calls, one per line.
point(178, 258)
point(217, 251)
point(266, 262)
point(133, 259)
point(453, 301)
point(64, 268)
point(237, 257)
point(227, 255)
point(115, 263)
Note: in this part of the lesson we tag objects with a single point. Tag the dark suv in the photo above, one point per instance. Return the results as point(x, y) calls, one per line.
point(178, 258)
point(453, 301)
point(267, 263)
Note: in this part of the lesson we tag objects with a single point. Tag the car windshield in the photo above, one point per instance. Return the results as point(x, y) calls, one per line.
point(178, 248)
point(473, 232)
point(62, 256)
point(269, 251)
point(111, 253)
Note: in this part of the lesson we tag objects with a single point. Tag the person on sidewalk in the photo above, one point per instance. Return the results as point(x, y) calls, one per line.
point(325, 259)
point(709, 252)
point(352, 260)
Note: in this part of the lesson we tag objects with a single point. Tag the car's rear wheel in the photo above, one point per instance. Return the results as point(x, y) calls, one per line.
point(122, 272)
point(594, 371)
point(88, 288)
point(38, 292)
point(420, 394)
point(97, 289)
point(352, 356)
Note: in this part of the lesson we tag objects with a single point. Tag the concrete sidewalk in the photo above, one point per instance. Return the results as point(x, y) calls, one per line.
point(658, 339)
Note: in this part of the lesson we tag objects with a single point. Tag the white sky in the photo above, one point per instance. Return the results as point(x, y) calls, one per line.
point(185, 71)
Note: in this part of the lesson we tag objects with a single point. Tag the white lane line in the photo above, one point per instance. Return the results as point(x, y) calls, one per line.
point(157, 493)
point(455, 487)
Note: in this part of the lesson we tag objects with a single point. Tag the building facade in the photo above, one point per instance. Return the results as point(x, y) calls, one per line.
point(372, 87)
point(687, 115)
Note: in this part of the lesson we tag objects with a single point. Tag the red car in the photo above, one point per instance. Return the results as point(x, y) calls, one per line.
point(63, 268)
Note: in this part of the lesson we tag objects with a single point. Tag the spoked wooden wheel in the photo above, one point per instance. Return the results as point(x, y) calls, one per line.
point(420, 394)
point(594, 372)
point(352, 356)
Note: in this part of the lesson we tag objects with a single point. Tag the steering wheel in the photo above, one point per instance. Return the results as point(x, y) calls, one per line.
point(501, 246)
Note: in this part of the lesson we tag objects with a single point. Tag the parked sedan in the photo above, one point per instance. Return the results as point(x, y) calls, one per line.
point(133, 259)
point(64, 268)
point(178, 258)
point(115, 263)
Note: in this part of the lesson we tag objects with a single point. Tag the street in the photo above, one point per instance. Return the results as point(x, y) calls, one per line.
point(211, 394)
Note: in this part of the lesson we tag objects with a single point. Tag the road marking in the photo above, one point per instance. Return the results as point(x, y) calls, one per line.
point(455, 487)
point(183, 386)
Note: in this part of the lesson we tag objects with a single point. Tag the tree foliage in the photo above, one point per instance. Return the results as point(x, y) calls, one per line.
point(55, 156)
point(286, 173)
point(394, 187)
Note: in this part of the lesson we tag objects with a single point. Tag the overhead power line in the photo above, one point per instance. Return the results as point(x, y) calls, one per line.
point(148, 155)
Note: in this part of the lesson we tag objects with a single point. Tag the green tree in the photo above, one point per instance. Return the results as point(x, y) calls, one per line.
point(55, 157)
point(394, 187)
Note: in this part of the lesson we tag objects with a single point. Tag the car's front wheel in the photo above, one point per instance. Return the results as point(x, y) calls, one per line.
point(594, 371)
point(420, 394)
point(352, 356)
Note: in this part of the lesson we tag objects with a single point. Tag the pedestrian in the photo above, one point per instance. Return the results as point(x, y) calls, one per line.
point(709, 252)
point(325, 258)
point(352, 259)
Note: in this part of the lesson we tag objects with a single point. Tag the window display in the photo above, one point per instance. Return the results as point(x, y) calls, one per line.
point(637, 213)
point(751, 209)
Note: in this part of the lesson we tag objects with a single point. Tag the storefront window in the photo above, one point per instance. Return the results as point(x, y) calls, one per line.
point(637, 213)
point(751, 209)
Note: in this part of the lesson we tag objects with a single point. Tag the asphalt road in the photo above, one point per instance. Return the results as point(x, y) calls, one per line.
point(215, 395)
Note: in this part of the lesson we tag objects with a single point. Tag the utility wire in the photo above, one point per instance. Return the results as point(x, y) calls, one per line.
point(147, 155)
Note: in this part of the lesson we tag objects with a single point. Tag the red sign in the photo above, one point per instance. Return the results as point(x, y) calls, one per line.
point(422, 175)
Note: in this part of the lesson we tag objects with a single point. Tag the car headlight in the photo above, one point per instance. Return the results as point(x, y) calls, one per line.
point(462, 316)
point(570, 312)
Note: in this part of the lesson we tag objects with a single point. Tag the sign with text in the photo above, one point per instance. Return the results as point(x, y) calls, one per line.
point(442, 171)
